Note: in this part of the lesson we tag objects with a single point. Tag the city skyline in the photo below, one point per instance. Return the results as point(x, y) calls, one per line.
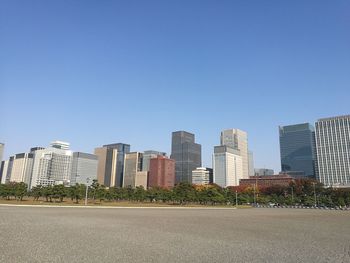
point(92, 73)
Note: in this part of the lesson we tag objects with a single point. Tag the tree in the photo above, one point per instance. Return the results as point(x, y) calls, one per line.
point(47, 192)
point(37, 192)
point(20, 190)
point(76, 192)
point(59, 192)
point(184, 192)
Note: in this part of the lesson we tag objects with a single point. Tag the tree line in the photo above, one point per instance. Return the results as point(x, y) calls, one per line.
point(299, 192)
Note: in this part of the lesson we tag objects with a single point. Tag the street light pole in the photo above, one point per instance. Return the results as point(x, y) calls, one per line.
point(236, 199)
point(254, 196)
point(315, 193)
point(87, 189)
point(292, 196)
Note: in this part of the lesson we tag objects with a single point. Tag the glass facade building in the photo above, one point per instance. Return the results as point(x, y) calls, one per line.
point(187, 155)
point(297, 149)
point(84, 168)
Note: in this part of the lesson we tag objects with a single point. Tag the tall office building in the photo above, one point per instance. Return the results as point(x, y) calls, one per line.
point(250, 163)
point(119, 151)
point(202, 176)
point(51, 166)
point(2, 147)
point(297, 148)
point(84, 168)
point(3, 172)
point(147, 156)
point(133, 174)
point(21, 170)
point(161, 172)
point(111, 163)
point(187, 155)
point(333, 150)
point(237, 139)
point(227, 166)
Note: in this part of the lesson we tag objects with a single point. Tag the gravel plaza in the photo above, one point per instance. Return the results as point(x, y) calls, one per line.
point(65, 234)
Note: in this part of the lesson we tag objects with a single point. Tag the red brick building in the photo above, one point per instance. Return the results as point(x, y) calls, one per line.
point(161, 172)
point(267, 180)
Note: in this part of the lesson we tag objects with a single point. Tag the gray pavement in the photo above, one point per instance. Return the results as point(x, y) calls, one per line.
point(40, 234)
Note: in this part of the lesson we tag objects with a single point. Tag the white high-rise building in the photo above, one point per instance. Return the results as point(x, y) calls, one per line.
point(51, 166)
point(21, 170)
point(333, 150)
point(201, 176)
point(237, 139)
point(227, 166)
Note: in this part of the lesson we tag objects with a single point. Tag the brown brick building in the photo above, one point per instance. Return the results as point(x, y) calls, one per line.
point(161, 172)
point(279, 179)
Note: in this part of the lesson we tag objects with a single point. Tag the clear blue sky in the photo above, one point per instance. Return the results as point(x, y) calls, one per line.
point(97, 72)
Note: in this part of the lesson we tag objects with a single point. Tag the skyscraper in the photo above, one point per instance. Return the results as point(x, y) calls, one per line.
point(333, 150)
point(187, 155)
point(51, 166)
point(3, 171)
point(161, 172)
point(111, 163)
point(250, 163)
point(297, 148)
point(22, 166)
point(237, 139)
point(147, 156)
point(227, 166)
point(119, 151)
point(84, 168)
point(133, 174)
point(2, 146)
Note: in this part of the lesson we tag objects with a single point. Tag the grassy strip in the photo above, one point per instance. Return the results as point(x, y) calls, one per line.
point(109, 203)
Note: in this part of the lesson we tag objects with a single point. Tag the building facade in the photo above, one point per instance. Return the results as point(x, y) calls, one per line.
point(263, 172)
point(84, 168)
point(147, 156)
point(227, 166)
point(297, 148)
point(237, 139)
point(21, 170)
point(51, 166)
point(2, 147)
point(3, 172)
point(133, 174)
point(187, 155)
point(266, 181)
point(110, 169)
point(161, 172)
point(250, 163)
point(333, 150)
point(202, 176)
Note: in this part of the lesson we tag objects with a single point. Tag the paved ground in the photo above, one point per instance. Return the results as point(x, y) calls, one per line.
point(40, 234)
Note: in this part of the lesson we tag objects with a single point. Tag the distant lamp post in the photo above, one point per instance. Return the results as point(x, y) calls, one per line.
point(87, 189)
point(292, 196)
point(236, 199)
point(315, 199)
point(254, 195)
